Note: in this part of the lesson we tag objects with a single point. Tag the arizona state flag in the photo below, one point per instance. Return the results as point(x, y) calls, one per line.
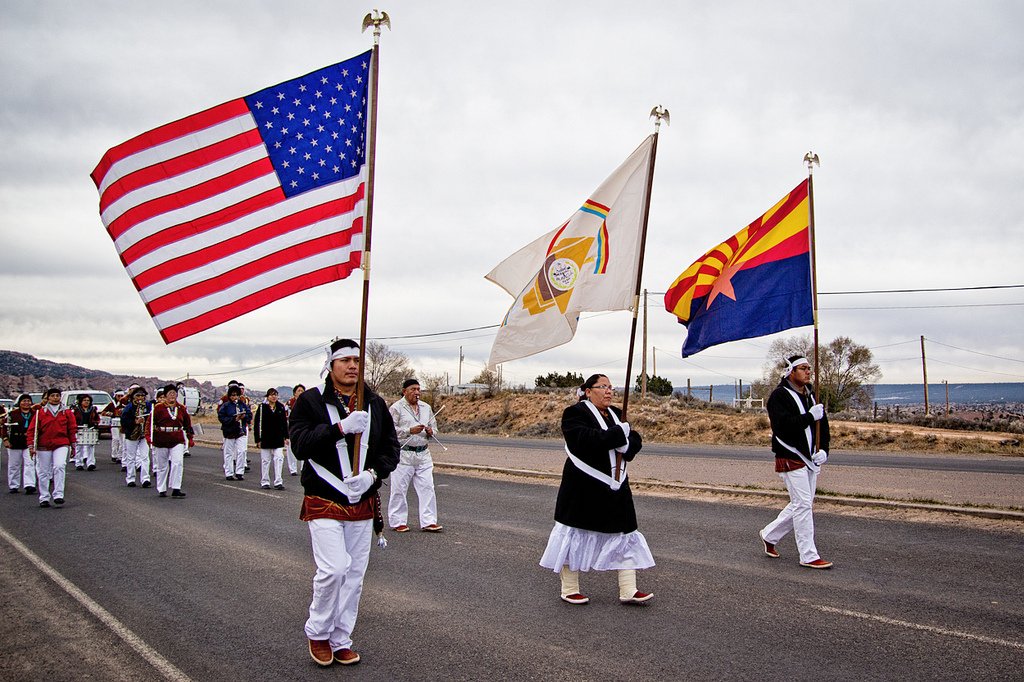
point(755, 283)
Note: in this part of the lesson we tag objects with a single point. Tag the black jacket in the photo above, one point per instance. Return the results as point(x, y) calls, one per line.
point(131, 429)
point(789, 426)
point(583, 501)
point(230, 427)
point(270, 426)
point(86, 418)
point(16, 428)
point(313, 438)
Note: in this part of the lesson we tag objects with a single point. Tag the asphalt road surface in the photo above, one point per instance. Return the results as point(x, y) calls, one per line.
point(216, 587)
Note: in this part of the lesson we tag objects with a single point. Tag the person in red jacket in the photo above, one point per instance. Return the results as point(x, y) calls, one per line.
point(168, 429)
point(52, 432)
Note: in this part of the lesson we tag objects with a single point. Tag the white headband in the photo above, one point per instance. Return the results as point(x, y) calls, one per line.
point(796, 363)
point(345, 352)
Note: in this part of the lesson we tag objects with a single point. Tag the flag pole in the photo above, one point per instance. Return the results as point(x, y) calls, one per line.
point(658, 113)
point(375, 19)
point(811, 159)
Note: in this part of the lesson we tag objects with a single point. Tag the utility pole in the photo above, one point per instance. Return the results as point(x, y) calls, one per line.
point(643, 368)
point(461, 357)
point(945, 381)
point(924, 369)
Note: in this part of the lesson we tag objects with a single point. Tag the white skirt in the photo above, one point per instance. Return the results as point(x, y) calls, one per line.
point(588, 550)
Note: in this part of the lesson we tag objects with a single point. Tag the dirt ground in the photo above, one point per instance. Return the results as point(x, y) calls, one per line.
point(668, 421)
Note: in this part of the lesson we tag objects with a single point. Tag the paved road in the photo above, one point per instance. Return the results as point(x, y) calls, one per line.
point(218, 584)
point(843, 458)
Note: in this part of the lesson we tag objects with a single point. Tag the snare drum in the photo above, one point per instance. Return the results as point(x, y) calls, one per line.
point(87, 435)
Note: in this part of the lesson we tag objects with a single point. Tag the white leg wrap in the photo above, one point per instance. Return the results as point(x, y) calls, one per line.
point(570, 581)
point(627, 583)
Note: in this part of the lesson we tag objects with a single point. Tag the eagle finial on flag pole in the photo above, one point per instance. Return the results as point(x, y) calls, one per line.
point(811, 159)
point(376, 19)
point(658, 113)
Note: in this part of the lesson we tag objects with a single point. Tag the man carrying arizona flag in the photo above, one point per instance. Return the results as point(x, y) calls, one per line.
point(801, 448)
point(341, 502)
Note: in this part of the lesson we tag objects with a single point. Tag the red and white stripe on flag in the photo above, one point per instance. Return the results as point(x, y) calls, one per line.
point(201, 223)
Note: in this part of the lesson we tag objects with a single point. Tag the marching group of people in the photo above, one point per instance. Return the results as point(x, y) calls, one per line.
point(40, 438)
point(349, 444)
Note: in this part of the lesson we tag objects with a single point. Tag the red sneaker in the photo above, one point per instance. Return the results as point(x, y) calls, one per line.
point(320, 650)
point(432, 528)
point(346, 657)
point(576, 598)
point(637, 598)
point(402, 529)
point(817, 563)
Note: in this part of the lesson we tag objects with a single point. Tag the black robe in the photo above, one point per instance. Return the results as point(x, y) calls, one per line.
point(583, 501)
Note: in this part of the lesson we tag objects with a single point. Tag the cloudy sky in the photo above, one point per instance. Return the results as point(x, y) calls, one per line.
point(496, 121)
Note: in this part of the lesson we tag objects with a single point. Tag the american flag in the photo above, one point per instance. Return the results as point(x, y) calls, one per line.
point(227, 210)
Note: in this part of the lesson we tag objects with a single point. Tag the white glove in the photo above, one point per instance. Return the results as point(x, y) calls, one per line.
point(818, 411)
point(355, 422)
point(819, 457)
point(357, 485)
point(625, 429)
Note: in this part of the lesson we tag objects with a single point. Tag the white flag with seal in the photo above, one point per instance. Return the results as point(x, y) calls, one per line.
point(589, 263)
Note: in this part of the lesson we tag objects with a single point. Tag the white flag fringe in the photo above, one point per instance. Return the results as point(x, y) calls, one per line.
point(589, 263)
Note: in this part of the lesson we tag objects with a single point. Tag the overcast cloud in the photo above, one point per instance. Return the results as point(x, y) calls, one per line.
point(496, 121)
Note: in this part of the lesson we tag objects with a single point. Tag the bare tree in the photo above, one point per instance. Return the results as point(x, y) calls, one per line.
point(432, 385)
point(845, 374)
point(490, 380)
point(386, 369)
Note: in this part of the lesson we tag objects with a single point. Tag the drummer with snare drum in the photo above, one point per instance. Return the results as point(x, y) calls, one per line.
point(88, 419)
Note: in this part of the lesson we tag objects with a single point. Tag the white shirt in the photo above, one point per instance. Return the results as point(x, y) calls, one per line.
point(407, 416)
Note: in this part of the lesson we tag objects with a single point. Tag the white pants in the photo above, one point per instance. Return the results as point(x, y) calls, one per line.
point(796, 516)
point(341, 550)
point(419, 468)
point(116, 442)
point(293, 464)
point(20, 462)
point(175, 458)
point(234, 455)
point(277, 455)
point(136, 458)
point(50, 466)
point(85, 455)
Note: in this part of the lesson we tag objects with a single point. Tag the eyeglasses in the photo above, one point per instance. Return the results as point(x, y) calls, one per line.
point(602, 387)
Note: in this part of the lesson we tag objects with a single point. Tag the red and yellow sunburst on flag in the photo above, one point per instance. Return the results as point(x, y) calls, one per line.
point(745, 286)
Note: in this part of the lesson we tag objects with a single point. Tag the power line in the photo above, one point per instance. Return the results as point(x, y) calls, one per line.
point(920, 291)
point(975, 369)
point(898, 291)
point(924, 307)
point(997, 357)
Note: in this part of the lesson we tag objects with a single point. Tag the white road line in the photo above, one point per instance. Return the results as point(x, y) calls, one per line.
point(918, 626)
point(166, 668)
point(247, 490)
